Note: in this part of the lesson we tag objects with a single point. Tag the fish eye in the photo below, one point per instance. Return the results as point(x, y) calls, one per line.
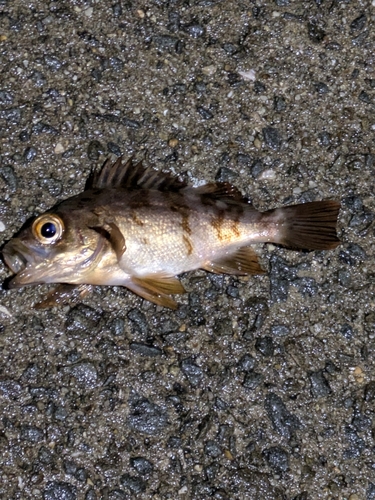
point(48, 228)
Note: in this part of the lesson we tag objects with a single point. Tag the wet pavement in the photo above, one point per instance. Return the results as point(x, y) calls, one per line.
point(254, 388)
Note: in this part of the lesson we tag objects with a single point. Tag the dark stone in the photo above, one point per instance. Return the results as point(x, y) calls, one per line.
point(302, 496)
point(174, 442)
point(321, 88)
point(165, 42)
point(361, 422)
point(114, 148)
point(85, 374)
point(365, 97)
point(45, 456)
point(370, 492)
point(145, 350)
point(9, 177)
point(230, 48)
point(97, 74)
point(225, 174)
point(82, 319)
point(259, 87)
point(279, 104)
point(356, 443)
point(319, 385)
point(265, 346)
point(145, 416)
point(325, 138)
point(284, 422)
point(134, 484)
point(272, 138)
point(94, 150)
point(117, 326)
point(280, 330)
point(58, 490)
point(369, 392)
point(212, 449)
point(243, 159)
point(117, 494)
point(277, 459)
point(246, 363)
point(195, 30)
point(38, 78)
point(306, 286)
point(252, 380)
point(52, 62)
point(91, 495)
point(43, 128)
point(24, 136)
point(347, 331)
point(129, 123)
point(11, 115)
point(31, 434)
point(359, 23)
point(281, 276)
point(116, 63)
point(360, 39)
point(6, 97)
point(200, 87)
point(193, 372)
point(205, 113)
point(352, 255)
point(316, 34)
point(142, 466)
point(257, 168)
point(223, 326)
point(138, 321)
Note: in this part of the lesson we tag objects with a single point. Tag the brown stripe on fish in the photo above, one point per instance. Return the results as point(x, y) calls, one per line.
point(217, 224)
point(184, 210)
point(188, 244)
point(136, 219)
point(237, 212)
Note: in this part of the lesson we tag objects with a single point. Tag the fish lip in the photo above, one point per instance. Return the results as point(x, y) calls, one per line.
point(16, 256)
point(20, 259)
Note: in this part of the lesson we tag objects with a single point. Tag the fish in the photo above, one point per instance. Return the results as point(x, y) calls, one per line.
point(139, 228)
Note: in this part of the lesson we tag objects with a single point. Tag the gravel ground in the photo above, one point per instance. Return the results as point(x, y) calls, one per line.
point(260, 388)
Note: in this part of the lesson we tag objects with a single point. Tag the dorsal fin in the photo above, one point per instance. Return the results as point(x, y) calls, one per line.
point(132, 176)
point(221, 190)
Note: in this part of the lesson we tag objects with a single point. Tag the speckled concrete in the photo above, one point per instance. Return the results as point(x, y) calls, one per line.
point(253, 389)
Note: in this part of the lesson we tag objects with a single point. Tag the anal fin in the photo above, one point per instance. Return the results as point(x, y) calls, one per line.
point(241, 262)
point(157, 288)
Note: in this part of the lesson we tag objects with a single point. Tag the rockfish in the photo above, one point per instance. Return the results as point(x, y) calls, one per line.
point(139, 228)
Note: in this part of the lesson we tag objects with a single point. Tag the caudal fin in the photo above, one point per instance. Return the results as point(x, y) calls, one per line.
point(309, 226)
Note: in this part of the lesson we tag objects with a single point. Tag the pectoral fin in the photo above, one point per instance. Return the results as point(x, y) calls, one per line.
point(157, 288)
point(242, 261)
point(64, 294)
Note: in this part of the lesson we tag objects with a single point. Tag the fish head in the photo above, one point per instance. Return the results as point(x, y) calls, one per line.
point(56, 247)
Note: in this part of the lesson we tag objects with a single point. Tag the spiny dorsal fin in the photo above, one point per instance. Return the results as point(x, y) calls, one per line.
point(240, 262)
point(133, 176)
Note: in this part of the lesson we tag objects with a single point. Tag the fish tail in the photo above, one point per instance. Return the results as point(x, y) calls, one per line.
point(309, 226)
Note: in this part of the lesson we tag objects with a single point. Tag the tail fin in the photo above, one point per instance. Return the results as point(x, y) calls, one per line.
point(309, 226)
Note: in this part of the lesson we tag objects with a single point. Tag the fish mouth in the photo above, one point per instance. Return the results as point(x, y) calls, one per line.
point(20, 261)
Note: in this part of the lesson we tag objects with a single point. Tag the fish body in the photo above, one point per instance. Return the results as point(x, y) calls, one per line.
point(139, 228)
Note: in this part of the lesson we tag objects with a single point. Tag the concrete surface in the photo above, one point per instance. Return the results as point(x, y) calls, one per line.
point(254, 389)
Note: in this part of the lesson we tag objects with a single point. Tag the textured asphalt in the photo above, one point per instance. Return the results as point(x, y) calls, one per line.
point(259, 388)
